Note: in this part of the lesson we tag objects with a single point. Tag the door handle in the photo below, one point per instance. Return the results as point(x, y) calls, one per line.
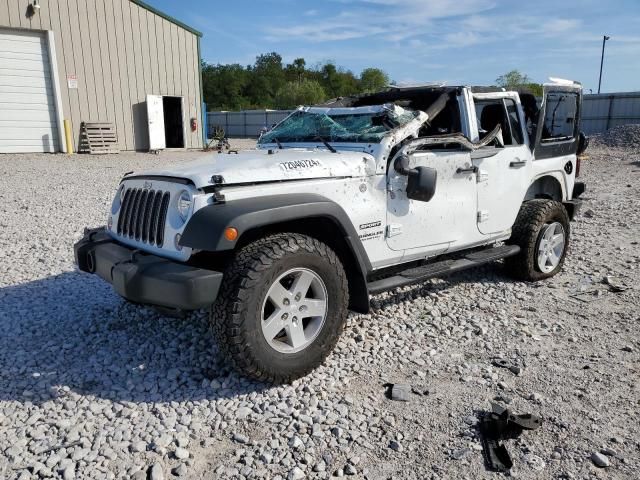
point(473, 169)
point(517, 164)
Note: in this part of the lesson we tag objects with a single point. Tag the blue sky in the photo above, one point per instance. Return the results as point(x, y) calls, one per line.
point(457, 41)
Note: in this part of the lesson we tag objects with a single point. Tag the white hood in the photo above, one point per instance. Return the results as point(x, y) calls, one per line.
point(252, 166)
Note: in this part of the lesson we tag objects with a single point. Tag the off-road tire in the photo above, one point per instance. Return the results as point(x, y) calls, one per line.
point(533, 216)
point(237, 314)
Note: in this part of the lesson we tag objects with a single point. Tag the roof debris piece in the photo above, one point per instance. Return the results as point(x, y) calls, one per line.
point(500, 424)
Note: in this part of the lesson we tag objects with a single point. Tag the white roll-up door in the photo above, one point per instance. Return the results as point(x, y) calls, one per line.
point(27, 101)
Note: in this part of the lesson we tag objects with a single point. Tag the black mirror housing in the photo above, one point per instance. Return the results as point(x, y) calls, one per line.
point(421, 184)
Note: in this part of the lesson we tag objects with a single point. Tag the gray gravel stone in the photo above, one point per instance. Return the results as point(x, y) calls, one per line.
point(401, 392)
point(181, 453)
point(295, 474)
point(156, 472)
point(600, 460)
point(131, 385)
point(180, 471)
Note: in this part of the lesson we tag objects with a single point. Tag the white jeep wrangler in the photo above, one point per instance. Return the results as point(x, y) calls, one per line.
point(344, 200)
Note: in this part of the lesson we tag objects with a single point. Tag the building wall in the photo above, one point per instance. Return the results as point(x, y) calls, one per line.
point(120, 52)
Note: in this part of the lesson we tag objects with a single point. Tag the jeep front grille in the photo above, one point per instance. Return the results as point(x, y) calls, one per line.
point(143, 214)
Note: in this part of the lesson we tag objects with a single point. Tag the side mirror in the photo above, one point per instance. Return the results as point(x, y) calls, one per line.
point(421, 185)
point(421, 181)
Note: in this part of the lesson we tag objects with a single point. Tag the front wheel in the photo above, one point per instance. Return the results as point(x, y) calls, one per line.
point(282, 307)
point(542, 233)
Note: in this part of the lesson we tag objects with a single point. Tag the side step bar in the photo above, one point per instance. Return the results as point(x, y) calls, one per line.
point(441, 268)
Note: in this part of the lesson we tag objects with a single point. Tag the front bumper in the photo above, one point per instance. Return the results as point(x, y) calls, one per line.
point(144, 278)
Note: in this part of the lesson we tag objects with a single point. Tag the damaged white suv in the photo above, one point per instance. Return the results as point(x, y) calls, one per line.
point(344, 200)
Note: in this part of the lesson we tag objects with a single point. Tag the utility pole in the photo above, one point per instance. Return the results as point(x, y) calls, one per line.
point(604, 40)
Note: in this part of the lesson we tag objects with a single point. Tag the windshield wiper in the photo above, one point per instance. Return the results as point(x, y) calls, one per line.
point(327, 144)
point(275, 139)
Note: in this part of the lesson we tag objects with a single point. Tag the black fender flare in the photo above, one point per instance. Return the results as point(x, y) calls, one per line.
point(205, 230)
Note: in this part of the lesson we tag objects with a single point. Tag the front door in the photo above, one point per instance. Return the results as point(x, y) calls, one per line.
point(504, 168)
point(449, 217)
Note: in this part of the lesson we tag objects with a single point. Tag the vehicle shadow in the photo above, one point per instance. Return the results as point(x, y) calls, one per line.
point(487, 275)
point(72, 333)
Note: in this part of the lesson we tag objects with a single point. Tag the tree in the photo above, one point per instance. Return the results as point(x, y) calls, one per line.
point(223, 86)
point(373, 80)
point(269, 84)
point(516, 80)
point(266, 78)
point(295, 70)
point(337, 82)
point(293, 94)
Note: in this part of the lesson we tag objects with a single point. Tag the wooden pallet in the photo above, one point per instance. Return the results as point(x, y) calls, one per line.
point(98, 138)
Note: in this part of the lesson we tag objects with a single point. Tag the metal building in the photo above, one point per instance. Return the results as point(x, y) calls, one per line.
point(97, 61)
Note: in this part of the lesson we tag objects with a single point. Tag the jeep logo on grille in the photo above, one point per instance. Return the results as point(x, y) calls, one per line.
point(147, 185)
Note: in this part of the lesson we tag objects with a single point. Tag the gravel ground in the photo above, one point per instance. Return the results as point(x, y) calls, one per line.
point(93, 387)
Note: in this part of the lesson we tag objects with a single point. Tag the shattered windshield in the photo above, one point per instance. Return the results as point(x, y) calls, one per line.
point(357, 125)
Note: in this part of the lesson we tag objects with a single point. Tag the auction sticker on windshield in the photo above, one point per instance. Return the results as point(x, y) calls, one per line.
point(300, 164)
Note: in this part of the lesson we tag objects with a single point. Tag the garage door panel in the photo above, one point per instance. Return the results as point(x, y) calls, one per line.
point(40, 147)
point(36, 98)
point(24, 36)
point(32, 143)
point(14, 115)
point(17, 133)
point(18, 47)
point(11, 71)
point(46, 90)
point(16, 81)
point(25, 64)
point(28, 122)
point(40, 57)
point(25, 123)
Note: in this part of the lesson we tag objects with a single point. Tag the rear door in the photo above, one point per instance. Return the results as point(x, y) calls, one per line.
point(503, 171)
point(558, 127)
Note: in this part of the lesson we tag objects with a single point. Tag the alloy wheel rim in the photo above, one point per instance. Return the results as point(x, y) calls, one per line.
point(294, 310)
point(551, 247)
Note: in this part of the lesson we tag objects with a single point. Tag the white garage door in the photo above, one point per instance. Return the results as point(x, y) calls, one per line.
point(27, 102)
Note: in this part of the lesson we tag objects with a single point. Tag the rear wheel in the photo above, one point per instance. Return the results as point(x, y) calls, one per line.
point(282, 307)
point(542, 233)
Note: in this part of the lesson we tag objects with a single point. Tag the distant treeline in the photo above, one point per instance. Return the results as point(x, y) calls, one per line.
point(268, 83)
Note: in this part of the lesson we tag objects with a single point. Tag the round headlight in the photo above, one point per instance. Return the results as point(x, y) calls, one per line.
point(184, 204)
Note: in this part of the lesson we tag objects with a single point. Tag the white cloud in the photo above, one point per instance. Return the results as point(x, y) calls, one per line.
point(396, 20)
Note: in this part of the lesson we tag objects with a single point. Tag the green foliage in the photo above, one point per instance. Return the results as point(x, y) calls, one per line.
point(294, 94)
point(516, 80)
point(224, 86)
point(270, 84)
point(373, 80)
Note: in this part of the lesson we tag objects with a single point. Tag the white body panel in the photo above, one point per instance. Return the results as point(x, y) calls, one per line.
point(252, 166)
point(501, 187)
point(28, 118)
point(449, 217)
point(155, 119)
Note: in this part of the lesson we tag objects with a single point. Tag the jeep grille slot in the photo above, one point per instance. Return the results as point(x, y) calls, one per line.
point(143, 214)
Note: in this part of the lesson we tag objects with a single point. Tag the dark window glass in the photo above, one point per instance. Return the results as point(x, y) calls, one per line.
point(501, 112)
point(514, 122)
point(560, 117)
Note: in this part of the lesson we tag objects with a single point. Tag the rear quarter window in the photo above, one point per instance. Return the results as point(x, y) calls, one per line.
point(560, 117)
